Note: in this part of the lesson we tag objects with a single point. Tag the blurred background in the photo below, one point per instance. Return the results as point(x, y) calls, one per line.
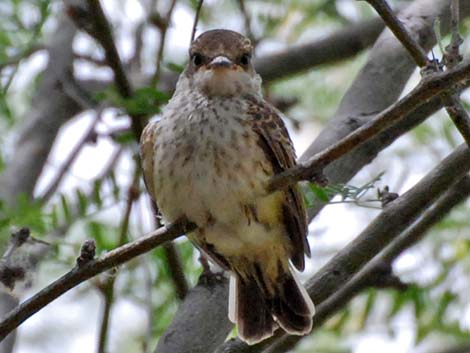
point(70, 171)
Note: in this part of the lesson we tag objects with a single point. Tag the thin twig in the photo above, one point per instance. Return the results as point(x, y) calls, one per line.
point(176, 269)
point(108, 288)
point(91, 59)
point(108, 293)
point(102, 33)
point(394, 24)
point(148, 302)
point(452, 52)
point(15, 59)
point(65, 167)
point(82, 273)
point(173, 261)
point(161, 47)
point(428, 88)
point(247, 21)
point(196, 20)
point(451, 101)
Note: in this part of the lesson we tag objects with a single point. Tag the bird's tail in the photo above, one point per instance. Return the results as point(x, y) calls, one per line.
point(258, 313)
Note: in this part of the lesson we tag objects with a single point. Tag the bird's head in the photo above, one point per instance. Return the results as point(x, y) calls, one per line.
point(220, 64)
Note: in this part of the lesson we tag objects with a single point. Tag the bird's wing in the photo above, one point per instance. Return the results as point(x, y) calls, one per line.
point(277, 145)
point(147, 154)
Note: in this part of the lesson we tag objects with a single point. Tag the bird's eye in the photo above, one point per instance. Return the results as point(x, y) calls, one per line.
point(245, 59)
point(197, 59)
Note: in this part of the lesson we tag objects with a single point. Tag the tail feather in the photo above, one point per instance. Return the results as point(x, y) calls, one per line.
point(251, 312)
point(292, 307)
point(290, 321)
point(258, 313)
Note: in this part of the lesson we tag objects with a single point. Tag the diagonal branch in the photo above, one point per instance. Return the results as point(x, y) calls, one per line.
point(101, 31)
point(452, 51)
point(457, 194)
point(452, 103)
point(163, 25)
point(196, 20)
point(427, 89)
point(394, 24)
point(90, 269)
point(396, 217)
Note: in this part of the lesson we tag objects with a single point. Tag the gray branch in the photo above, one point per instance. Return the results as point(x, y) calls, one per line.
point(457, 193)
point(377, 86)
point(327, 286)
point(43, 120)
point(32, 148)
point(337, 46)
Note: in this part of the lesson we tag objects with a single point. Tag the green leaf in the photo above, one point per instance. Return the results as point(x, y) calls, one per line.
point(65, 208)
point(370, 300)
point(54, 217)
point(319, 192)
point(175, 67)
point(125, 138)
point(82, 202)
point(97, 193)
point(444, 303)
point(100, 232)
point(145, 101)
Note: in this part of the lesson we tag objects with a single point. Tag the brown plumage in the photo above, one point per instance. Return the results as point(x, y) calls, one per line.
point(208, 159)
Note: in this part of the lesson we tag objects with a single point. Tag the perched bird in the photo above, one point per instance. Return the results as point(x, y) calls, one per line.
point(208, 159)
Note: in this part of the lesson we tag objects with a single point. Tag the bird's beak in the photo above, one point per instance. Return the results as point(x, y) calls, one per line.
point(220, 62)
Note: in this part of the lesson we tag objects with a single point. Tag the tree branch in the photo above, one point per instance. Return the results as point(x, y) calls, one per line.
point(394, 24)
point(457, 194)
point(453, 105)
point(101, 31)
point(163, 27)
point(427, 89)
point(65, 167)
point(325, 286)
point(176, 269)
point(464, 348)
point(196, 20)
point(90, 269)
point(339, 45)
point(43, 120)
point(36, 136)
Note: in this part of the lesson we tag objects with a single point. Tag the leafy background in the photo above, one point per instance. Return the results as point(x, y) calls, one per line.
point(90, 200)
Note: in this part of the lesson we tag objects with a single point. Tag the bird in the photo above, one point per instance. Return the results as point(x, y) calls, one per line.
point(208, 159)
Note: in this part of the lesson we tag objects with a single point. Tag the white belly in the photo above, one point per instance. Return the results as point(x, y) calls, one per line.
point(207, 164)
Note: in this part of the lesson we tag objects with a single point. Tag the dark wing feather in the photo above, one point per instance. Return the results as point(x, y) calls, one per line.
point(147, 153)
point(276, 143)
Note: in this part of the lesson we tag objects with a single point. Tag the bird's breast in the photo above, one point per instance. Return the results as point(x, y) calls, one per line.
point(208, 165)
